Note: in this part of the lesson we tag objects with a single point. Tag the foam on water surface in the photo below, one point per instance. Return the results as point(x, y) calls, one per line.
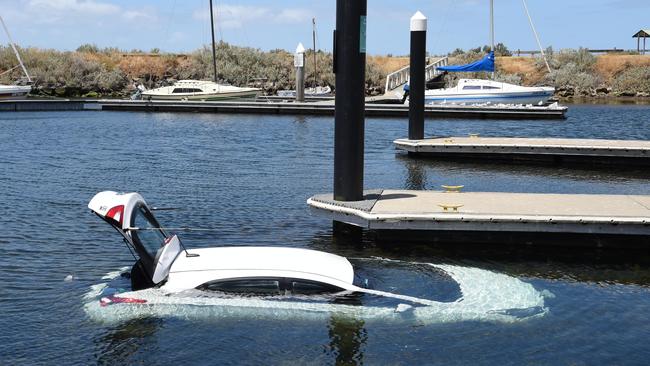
point(486, 296)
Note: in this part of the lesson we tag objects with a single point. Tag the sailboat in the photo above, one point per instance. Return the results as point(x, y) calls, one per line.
point(201, 89)
point(480, 91)
point(315, 91)
point(14, 91)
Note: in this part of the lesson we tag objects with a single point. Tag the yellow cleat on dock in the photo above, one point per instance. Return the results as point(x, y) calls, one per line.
point(447, 207)
point(452, 189)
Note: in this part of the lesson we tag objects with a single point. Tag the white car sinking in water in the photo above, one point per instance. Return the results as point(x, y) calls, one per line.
point(237, 280)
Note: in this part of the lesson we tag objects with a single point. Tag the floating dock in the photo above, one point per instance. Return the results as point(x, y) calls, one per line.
point(557, 150)
point(275, 105)
point(449, 215)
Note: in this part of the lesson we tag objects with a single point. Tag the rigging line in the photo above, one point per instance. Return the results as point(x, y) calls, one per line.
point(169, 21)
point(530, 20)
point(443, 24)
point(218, 14)
point(10, 70)
point(11, 42)
point(189, 229)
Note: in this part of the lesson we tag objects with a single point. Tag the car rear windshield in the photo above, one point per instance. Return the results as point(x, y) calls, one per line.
point(149, 235)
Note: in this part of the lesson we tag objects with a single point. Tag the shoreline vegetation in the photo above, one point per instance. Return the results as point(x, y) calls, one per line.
point(92, 72)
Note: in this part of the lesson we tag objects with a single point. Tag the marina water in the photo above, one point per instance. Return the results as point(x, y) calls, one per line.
point(245, 179)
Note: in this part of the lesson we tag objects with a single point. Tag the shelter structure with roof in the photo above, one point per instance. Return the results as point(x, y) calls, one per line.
point(643, 33)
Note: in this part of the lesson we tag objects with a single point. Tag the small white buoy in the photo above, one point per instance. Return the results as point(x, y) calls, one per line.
point(69, 278)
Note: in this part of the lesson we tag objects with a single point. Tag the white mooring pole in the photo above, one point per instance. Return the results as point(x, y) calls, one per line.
point(299, 63)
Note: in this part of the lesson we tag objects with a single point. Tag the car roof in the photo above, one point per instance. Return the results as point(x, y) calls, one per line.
point(222, 263)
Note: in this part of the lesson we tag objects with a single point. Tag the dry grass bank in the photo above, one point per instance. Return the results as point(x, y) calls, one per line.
point(610, 66)
point(112, 72)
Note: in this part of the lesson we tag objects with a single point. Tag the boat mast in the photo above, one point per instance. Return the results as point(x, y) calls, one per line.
point(313, 36)
point(214, 51)
point(492, 30)
point(11, 42)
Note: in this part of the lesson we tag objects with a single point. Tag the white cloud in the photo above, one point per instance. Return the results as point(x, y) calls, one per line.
point(236, 16)
point(135, 15)
point(293, 16)
point(75, 6)
point(59, 12)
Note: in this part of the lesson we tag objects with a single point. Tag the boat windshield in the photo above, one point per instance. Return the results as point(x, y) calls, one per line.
point(149, 235)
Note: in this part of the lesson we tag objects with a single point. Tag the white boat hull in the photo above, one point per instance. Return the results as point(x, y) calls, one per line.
point(309, 92)
point(506, 98)
point(14, 91)
point(477, 91)
point(201, 96)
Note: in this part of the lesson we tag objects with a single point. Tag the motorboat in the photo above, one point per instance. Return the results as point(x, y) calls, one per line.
point(14, 91)
point(476, 91)
point(319, 91)
point(198, 90)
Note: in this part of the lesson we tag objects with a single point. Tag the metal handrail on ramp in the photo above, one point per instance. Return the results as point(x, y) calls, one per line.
point(400, 77)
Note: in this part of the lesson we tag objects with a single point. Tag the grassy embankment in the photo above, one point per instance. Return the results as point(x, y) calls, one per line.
point(92, 72)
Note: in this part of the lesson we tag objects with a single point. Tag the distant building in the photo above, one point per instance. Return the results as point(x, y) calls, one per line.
point(643, 33)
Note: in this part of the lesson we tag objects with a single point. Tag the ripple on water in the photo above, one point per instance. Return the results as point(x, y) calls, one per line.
point(247, 178)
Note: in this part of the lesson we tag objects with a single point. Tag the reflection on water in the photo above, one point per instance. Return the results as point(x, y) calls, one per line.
point(347, 339)
point(418, 167)
point(123, 343)
point(416, 178)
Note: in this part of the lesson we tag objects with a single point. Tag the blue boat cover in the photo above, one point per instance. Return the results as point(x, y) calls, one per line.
point(484, 64)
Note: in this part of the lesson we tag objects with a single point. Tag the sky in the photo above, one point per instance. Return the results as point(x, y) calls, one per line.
point(184, 25)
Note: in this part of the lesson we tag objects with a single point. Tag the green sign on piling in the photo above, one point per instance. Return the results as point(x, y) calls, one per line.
point(362, 35)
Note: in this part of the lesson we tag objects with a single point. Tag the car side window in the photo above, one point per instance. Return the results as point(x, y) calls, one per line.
point(270, 286)
point(300, 287)
point(258, 286)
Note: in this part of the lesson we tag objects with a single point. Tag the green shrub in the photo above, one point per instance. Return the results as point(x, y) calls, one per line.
point(633, 80)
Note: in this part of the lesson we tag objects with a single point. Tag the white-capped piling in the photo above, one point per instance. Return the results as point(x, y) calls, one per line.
point(417, 76)
point(299, 63)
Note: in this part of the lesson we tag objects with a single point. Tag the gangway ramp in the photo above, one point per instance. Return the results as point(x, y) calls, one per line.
point(395, 81)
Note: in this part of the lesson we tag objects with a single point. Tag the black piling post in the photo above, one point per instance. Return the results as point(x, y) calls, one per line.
point(350, 69)
point(417, 82)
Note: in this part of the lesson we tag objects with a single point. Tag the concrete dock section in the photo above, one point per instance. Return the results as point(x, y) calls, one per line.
point(414, 213)
point(635, 152)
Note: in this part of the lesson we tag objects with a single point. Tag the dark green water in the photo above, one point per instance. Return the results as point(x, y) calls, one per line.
point(247, 178)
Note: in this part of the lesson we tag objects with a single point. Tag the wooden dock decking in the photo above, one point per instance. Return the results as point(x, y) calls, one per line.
point(285, 106)
point(635, 152)
point(481, 212)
